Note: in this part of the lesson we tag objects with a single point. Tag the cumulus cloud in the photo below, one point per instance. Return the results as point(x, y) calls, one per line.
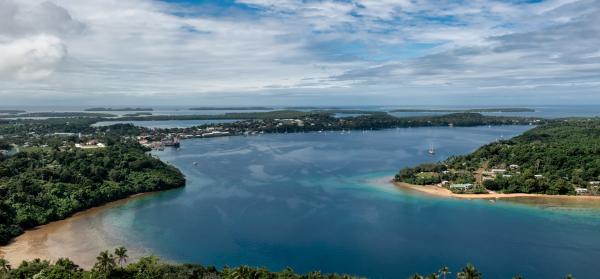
point(30, 38)
point(32, 57)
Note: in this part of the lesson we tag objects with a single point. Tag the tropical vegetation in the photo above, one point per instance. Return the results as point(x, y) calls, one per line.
point(555, 158)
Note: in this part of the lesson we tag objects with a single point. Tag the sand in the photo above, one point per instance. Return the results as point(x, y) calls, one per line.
point(74, 237)
point(443, 192)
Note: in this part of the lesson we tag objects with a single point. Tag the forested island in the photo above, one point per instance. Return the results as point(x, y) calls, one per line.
point(231, 108)
point(57, 114)
point(11, 111)
point(467, 110)
point(557, 158)
point(119, 109)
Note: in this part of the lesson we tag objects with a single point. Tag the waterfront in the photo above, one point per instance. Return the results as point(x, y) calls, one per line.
point(322, 201)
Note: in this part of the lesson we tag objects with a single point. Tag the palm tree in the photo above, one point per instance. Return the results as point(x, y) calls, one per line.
point(569, 276)
point(444, 271)
point(105, 262)
point(517, 277)
point(416, 276)
point(121, 254)
point(432, 276)
point(4, 266)
point(469, 272)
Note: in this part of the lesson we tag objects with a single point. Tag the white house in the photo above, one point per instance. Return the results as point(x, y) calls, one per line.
point(581, 190)
point(464, 186)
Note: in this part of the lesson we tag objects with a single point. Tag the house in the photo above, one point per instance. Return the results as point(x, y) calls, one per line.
point(90, 145)
point(444, 182)
point(594, 183)
point(513, 167)
point(464, 186)
point(581, 190)
point(538, 176)
point(498, 171)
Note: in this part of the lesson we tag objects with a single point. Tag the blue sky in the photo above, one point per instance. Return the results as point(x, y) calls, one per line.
point(299, 52)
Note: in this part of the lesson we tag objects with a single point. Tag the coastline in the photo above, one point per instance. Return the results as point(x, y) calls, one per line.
point(434, 190)
point(45, 241)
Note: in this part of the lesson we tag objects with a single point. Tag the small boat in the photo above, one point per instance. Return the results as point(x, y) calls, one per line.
point(195, 163)
point(431, 151)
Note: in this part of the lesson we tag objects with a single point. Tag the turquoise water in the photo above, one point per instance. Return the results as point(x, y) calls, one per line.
point(321, 201)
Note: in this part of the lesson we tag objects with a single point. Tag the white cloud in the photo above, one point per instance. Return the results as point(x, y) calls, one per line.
point(147, 48)
point(32, 57)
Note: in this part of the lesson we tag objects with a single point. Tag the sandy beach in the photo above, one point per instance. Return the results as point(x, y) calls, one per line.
point(443, 192)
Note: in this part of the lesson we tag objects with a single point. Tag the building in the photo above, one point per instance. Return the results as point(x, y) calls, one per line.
point(514, 167)
point(581, 190)
point(90, 145)
point(538, 176)
point(594, 183)
point(464, 186)
point(498, 171)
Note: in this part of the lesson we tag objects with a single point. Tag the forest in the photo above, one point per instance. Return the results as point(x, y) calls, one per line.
point(554, 158)
point(43, 184)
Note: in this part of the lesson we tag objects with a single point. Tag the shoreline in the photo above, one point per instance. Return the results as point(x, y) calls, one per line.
point(434, 190)
point(41, 241)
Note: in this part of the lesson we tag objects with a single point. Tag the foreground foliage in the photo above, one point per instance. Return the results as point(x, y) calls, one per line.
point(114, 266)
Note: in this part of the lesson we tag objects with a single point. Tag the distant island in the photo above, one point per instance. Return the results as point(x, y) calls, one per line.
point(557, 158)
point(119, 109)
point(232, 108)
point(137, 114)
point(467, 110)
point(58, 114)
point(11, 111)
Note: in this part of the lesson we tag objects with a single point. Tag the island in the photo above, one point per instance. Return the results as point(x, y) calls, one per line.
point(119, 109)
point(231, 108)
point(467, 110)
point(56, 114)
point(137, 114)
point(556, 158)
point(11, 111)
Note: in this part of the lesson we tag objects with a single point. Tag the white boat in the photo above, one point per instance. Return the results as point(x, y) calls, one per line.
point(431, 150)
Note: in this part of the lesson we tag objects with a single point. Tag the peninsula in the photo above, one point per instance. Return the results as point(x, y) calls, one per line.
point(557, 158)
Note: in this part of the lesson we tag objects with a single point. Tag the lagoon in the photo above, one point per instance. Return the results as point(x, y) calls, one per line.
point(322, 201)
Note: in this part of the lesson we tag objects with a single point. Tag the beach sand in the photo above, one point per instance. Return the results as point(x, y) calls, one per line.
point(443, 192)
point(76, 237)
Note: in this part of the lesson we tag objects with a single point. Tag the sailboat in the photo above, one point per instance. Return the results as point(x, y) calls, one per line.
point(431, 151)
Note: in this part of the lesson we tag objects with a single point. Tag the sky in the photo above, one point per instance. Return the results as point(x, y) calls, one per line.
point(285, 52)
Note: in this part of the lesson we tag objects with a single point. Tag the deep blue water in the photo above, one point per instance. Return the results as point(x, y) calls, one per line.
point(321, 201)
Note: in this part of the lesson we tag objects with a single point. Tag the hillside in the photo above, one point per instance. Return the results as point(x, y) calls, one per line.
point(560, 157)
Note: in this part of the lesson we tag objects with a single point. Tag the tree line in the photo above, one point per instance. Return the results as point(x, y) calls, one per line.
point(116, 266)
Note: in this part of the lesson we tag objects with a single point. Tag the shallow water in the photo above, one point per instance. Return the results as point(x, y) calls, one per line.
point(322, 201)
